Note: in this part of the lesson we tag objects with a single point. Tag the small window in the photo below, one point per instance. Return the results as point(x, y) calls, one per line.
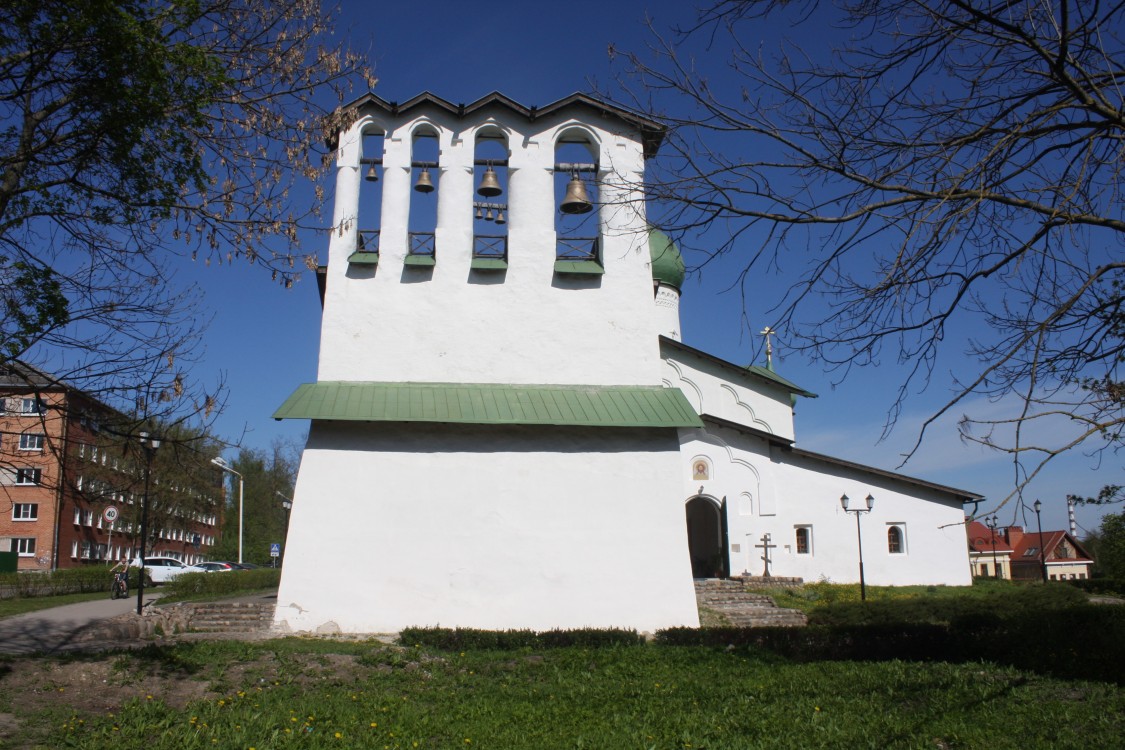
point(896, 542)
point(86, 547)
point(24, 547)
point(984, 569)
point(32, 406)
point(31, 442)
point(25, 512)
point(1031, 552)
point(29, 476)
point(803, 540)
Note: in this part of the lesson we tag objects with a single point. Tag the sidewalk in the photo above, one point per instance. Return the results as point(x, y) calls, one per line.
point(63, 628)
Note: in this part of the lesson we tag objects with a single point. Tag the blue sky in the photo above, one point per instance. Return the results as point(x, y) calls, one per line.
point(264, 339)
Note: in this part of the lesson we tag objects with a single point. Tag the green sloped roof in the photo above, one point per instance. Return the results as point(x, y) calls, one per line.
point(469, 403)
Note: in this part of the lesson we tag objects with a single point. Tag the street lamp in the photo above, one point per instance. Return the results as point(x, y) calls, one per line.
point(1039, 522)
point(149, 444)
point(218, 461)
point(859, 537)
point(992, 523)
point(287, 505)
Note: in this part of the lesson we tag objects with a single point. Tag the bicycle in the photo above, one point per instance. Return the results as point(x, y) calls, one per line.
point(119, 589)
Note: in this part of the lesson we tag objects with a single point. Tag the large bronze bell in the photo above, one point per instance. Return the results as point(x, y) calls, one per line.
point(372, 175)
point(489, 185)
point(424, 184)
point(576, 201)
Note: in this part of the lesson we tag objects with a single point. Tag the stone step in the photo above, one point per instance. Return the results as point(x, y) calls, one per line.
point(729, 599)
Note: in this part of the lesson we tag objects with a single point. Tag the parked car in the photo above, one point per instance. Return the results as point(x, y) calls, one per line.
point(211, 567)
point(160, 569)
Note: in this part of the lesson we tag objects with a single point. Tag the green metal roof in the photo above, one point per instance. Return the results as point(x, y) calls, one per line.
point(469, 403)
point(591, 267)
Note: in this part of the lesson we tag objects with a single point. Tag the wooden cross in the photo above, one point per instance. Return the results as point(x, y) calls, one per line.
point(765, 546)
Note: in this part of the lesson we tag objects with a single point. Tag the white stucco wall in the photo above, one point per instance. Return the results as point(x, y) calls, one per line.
point(526, 325)
point(770, 490)
point(504, 527)
point(713, 389)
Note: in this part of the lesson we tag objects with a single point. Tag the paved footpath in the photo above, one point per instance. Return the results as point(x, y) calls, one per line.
point(61, 628)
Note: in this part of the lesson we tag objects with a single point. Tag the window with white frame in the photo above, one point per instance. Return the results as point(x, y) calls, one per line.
point(25, 512)
point(87, 518)
point(804, 540)
point(86, 547)
point(896, 538)
point(24, 546)
point(28, 475)
point(74, 549)
point(31, 441)
point(32, 406)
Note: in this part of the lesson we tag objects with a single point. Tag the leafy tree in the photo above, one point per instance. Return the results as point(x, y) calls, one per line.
point(1110, 546)
point(268, 478)
point(939, 166)
point(134, 129)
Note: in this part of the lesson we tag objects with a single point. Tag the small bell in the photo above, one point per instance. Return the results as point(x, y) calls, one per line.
point(488, 216)
point(479, 214)
point(372, 175)
point(576, 201)
point(500, 218)
point(424, 184)
point(489, 185)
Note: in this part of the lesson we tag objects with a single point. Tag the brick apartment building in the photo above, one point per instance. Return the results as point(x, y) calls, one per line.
point(59, 473)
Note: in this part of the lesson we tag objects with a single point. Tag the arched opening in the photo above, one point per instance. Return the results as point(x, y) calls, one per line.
point(707, 538)
point(424, 178)
point(370, 197)
point(577, 220)
point(490, 204)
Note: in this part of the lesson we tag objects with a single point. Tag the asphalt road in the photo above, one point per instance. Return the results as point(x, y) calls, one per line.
point(58, 628)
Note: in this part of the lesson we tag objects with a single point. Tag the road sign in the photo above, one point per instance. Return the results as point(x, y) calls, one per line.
point(275, 550)
point(109, 514)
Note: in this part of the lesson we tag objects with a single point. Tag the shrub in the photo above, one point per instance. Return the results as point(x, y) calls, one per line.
point(1110, 586)
point(1006, 600)
point(1083, 642)
point(219, 584)
point(83, 580)
point(462, 639)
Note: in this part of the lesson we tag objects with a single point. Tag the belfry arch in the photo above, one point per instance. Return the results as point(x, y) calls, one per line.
point(707, 537)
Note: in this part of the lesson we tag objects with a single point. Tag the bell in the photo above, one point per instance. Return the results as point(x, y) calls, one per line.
point(479, 214)
point(576, 201)
point(488, 216)
point(372, 175)
point(424, 184)
point(500, 218)
point(489, 185)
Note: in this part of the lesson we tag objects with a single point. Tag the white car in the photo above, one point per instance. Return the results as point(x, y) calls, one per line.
point(160, 569)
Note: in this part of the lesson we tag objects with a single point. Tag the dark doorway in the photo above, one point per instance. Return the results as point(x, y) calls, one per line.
point(707, 538)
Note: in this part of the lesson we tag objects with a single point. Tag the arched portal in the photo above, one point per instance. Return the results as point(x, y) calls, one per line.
point(707, 538)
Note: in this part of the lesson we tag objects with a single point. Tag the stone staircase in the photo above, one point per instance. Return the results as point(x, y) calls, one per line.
point(230, 617)
point(728, 602)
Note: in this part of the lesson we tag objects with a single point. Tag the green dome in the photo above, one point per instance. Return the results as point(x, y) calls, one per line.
point(667, 263)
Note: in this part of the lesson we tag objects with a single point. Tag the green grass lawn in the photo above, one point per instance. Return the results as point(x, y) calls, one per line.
point(305, 693)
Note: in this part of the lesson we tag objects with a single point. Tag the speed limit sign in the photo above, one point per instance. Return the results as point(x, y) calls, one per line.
point(109, 514)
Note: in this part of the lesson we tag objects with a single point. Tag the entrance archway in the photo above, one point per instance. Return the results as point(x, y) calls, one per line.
point(707, 538)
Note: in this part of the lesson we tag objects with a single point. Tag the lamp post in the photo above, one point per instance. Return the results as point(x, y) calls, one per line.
point(870, 501)
point(287, 505)
point(992, 523)
point(149, 444)
point(218, 461)
point(1039, 522)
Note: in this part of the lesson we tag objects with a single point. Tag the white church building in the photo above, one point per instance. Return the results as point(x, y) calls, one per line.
point(506, 430)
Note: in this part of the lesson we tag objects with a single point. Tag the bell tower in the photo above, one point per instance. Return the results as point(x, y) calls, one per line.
point(491, 444)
